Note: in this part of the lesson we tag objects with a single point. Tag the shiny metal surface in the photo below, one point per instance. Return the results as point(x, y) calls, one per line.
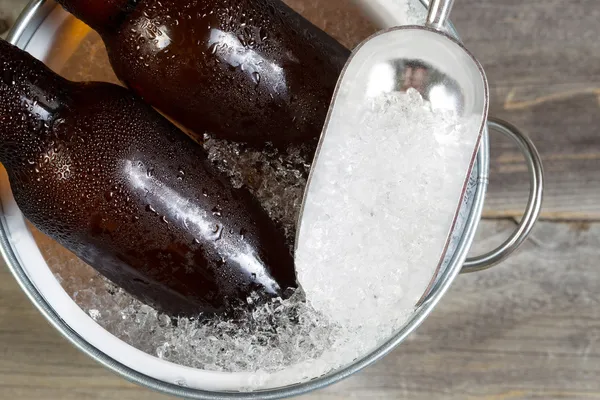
point(28, 22)
point(534, 202)
point(435, 65)
point(438, 66)
point(439, 11)
point(21, 35)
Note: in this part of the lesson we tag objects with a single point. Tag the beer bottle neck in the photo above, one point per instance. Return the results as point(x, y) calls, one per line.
point(101, 15)
point(31, 96)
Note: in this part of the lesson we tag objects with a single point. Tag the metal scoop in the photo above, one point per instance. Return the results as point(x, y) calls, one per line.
point(445, 74)
point(421, 57)
point(424, 58)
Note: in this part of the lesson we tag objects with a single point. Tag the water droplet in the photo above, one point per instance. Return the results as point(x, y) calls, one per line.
point(218, 232)
point(256, 78)
point(262, 34)
point(180, 174)
point(150, 209)
point(150, 172)
point(242, 39)
point(217, 211)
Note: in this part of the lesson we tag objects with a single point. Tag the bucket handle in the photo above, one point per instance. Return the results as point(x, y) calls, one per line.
point(534, 203)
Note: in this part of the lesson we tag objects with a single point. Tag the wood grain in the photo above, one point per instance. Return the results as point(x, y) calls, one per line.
point(542, 59)
point(528, 329)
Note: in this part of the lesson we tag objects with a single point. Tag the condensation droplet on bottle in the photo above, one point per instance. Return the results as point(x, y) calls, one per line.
point(218, 232)
point(256, 78)
point(180, 174)
point(262, 34)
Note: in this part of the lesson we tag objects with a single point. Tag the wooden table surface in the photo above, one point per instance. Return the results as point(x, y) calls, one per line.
point(527, 329)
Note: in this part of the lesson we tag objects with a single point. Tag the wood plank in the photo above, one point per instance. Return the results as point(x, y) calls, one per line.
point(543, 64)
point(527, 329)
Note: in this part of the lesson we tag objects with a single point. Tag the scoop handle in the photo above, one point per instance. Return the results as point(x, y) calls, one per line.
point(439, 10)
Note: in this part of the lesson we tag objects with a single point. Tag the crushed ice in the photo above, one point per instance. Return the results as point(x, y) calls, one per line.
point(380, 207)
point(275, 176)
point(268, 338)
point(287, 333)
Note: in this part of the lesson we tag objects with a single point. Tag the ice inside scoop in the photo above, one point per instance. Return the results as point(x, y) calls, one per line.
point(389, 177)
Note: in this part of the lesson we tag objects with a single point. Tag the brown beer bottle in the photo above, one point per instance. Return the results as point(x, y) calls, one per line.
point(245, 70)
point(95, 168)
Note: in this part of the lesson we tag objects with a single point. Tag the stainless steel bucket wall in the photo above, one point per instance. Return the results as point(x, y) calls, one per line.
point(40, 31)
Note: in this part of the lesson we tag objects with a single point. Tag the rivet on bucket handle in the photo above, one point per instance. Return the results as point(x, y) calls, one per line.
point(534, 203)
